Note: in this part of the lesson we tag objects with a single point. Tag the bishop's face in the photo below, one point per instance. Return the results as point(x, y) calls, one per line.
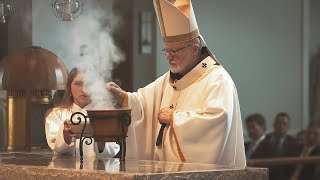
point(180, 56)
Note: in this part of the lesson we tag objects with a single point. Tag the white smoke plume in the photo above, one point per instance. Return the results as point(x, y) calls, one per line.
point(86, 43)
point(99, 54)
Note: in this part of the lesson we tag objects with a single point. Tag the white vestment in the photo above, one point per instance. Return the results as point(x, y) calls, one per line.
point(206, 125)
point(54, 133)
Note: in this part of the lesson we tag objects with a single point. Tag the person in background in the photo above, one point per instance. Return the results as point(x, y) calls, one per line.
point(60, 137)
point(57, 98)
point(192, 112)
point(301, 136)
point(311, 148)
point(256, 147)
point(282, 145)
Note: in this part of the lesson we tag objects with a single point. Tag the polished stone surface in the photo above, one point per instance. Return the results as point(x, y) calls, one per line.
point(37, 165)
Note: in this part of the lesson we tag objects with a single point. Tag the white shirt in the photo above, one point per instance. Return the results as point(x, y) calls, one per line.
point(253, 146)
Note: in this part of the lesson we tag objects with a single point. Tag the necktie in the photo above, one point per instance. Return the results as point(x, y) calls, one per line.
point(278, 145)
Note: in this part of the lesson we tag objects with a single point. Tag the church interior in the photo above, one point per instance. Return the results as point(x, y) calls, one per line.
point(270, 48)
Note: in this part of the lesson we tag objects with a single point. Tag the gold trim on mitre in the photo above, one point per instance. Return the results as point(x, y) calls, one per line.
point(182, 37)
point(177, 20)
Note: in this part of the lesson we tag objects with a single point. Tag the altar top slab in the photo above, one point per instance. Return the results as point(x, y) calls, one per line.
point(44, 163)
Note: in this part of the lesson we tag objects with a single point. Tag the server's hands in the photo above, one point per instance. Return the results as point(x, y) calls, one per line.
point(67, 132)
point(117, 93)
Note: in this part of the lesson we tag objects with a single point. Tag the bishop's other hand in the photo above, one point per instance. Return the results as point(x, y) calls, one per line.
point(165, 115)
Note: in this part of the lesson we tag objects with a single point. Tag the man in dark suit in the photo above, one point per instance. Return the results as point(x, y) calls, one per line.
point(256, 147)
point(282, 145)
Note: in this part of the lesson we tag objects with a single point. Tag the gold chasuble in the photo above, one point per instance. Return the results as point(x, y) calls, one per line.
point(206, 124)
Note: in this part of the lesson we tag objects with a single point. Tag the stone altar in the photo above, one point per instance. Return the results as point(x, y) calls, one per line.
point(43, 165)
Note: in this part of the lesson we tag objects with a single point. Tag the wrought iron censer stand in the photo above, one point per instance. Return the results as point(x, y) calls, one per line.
point(82, 138)
point(107, 126)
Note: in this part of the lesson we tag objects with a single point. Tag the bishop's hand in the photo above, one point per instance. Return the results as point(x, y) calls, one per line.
point(165, 115)
point(117, 93)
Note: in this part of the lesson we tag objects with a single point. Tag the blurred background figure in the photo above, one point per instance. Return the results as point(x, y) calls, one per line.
point(311, 148)
point(57, 98)
point(256, 128)
point(301, 135)
point(283, 143)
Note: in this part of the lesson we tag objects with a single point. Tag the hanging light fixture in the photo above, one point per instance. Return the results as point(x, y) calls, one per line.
point(5, 9)
point(67, 9)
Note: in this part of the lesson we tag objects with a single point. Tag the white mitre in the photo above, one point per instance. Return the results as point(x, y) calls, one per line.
point(178, 23)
